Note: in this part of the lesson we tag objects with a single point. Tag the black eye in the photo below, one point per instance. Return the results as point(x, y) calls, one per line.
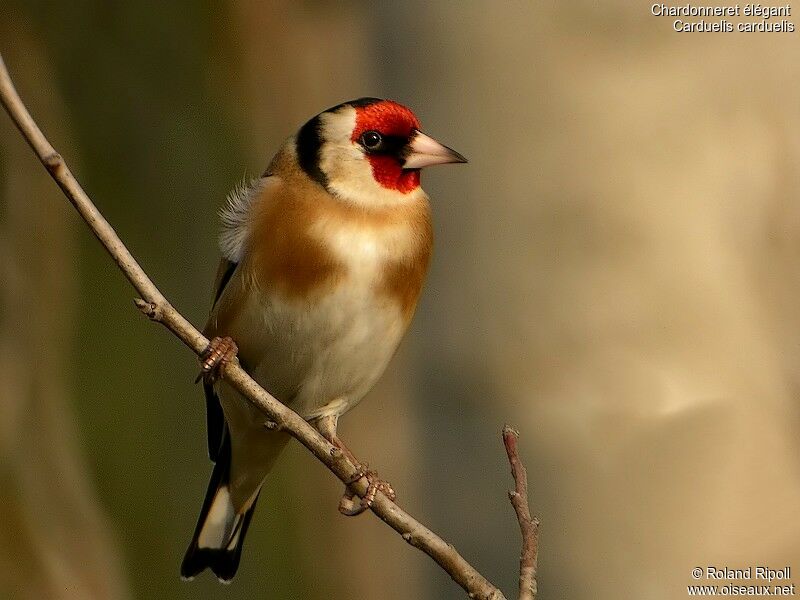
point(371, 139)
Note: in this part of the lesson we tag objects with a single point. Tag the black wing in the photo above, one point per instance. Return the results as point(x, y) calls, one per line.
point(215, 418)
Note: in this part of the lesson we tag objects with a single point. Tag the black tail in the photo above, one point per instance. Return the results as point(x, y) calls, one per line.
point(219, 535)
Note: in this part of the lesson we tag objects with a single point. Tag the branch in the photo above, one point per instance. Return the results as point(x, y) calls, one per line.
point(528, 527)
point(157, 308)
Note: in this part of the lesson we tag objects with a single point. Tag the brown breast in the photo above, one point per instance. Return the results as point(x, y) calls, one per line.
point(403, 279)
point(286, 255)
point(283, 255)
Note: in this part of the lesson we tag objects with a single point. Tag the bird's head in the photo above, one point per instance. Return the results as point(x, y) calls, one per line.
point(369, 151)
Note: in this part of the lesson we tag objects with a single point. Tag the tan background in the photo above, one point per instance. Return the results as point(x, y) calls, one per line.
point(615, 274)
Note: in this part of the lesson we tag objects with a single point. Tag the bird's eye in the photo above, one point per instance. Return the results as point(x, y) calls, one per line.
point(371, 139)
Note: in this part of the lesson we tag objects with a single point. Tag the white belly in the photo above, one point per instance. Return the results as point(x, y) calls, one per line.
point(321, 357)
point(318, 360)
point(324, 360)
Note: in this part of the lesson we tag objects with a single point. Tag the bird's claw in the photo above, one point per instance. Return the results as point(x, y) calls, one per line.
point(220, 351)
point(351, 507)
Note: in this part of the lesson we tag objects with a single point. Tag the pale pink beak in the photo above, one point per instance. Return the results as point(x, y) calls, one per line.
point(424, 151)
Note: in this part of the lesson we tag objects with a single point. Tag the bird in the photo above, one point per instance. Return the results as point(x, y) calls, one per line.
point(323, 260)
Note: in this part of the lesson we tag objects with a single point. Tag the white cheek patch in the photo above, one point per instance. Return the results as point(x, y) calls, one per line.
point(338, 127)
point(348, 171)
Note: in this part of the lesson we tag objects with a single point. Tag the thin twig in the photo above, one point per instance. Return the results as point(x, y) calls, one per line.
point(528, 526)
point(157, 308)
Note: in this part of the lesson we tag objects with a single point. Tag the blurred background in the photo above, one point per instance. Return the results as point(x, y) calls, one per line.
point(615, 274)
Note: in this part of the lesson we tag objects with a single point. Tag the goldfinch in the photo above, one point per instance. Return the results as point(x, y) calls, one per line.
point(323, 260)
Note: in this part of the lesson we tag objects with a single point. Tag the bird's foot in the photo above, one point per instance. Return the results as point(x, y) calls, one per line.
point(220, 351)
point(352, 506)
